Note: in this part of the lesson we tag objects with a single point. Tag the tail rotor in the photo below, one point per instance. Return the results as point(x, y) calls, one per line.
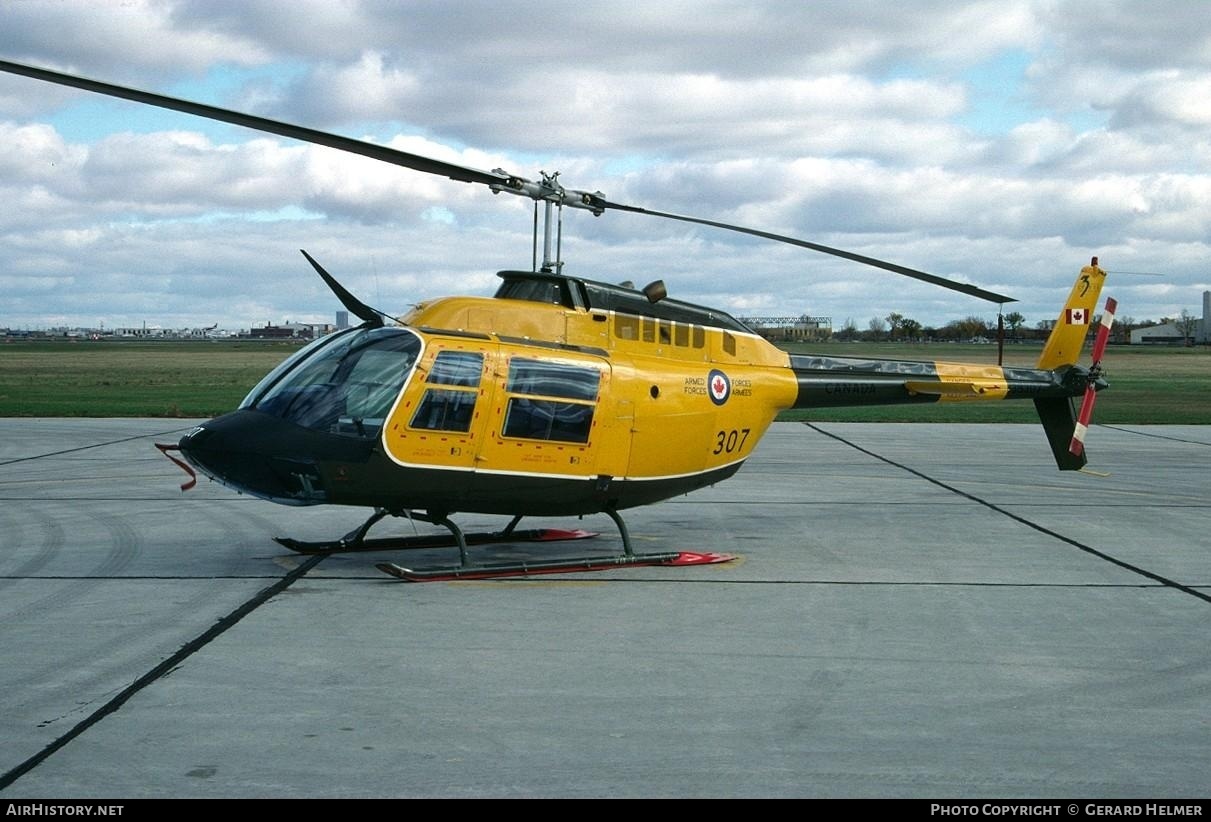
point(1077, 446)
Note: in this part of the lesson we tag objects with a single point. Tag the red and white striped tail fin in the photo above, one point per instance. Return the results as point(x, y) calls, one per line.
point(1077, 446)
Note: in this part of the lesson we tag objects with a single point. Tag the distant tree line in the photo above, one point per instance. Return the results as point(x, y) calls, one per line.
point(897, 327)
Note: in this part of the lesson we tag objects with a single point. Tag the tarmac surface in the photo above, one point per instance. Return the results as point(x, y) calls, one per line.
point(917, 611)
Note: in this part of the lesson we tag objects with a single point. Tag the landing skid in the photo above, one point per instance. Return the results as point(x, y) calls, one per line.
point(342, 546)
point(562, 565)
point(355, 541)
point(553, 566)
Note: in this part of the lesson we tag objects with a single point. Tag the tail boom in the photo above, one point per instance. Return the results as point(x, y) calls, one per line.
point(833, 382)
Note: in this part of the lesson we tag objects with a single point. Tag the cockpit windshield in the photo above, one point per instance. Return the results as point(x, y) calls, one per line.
point(346, 386)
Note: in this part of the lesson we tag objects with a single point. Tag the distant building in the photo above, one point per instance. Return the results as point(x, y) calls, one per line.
point(803, 327)
point(342, 320)
point(1204, 326)
point(273, 332)
point(1169, 333)
point(144, 332)
point(290, 331)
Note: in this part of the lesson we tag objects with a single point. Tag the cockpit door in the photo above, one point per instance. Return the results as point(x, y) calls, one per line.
point(439, 420)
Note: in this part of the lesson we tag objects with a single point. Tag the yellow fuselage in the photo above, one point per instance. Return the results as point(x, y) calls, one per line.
point(570, 397)
point(673, 399)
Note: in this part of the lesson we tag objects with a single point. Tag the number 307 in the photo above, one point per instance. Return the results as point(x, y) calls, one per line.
point(727, 442)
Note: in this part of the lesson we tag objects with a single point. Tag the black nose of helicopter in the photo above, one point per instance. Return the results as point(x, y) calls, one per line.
point(257, 454)
point(313, 422)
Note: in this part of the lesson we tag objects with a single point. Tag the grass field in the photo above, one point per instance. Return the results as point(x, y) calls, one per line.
point(131, 379)
point(203, 379)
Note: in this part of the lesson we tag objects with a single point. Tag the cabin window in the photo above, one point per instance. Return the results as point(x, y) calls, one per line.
point(553, 379)
point(537, 290)
point(552, 401)
point(461, 368)
point(681, 335)
point(699, 337)
point(450, 407)
point(625, 327)
point(729, 344)
point(293, 361)
point(346, 386)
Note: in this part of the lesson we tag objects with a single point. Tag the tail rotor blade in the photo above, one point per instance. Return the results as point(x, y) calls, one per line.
point(1103, 332)
point(1077, 446)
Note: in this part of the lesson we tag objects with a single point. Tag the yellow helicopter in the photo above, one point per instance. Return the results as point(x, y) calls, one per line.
point(562, 395)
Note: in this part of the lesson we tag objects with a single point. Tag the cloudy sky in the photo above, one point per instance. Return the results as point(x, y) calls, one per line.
point(999, 143)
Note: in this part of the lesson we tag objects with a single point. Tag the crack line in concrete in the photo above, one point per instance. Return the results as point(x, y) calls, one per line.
point(1135, 569)
point(183, 653)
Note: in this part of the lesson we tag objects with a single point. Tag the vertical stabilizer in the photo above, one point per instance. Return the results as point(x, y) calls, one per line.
point(1059, 421)
point(1076, 318)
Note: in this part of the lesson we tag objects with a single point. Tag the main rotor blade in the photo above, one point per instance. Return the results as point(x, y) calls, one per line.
point(497, 180)
point(310, 135)
point(964, 288)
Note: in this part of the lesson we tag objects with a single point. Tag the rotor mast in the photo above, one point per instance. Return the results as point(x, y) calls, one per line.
point(553, 197)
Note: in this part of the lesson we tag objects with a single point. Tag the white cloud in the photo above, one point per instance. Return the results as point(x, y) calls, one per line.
point(837, 122)
point(120, 39)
